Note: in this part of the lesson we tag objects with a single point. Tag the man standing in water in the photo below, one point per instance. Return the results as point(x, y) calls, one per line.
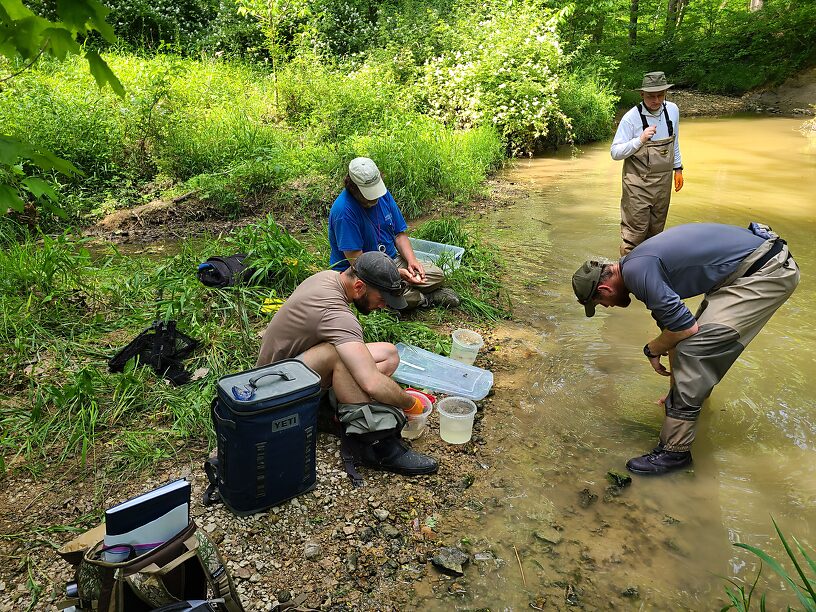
point(745, 275)
point(647, 142)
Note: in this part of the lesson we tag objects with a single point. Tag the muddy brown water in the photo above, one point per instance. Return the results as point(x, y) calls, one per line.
point(581, 398)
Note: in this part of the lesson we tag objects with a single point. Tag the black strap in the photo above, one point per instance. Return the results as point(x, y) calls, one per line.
point(211, 495)
point(773, 252)
point(669, 123)
point(347, 452)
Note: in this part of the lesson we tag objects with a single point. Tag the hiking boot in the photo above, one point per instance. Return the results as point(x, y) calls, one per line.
point(659, 461)
point(393, 455)
point(444, 297)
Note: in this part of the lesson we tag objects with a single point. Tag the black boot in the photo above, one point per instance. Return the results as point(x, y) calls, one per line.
point(659, 461)
point(393, 455)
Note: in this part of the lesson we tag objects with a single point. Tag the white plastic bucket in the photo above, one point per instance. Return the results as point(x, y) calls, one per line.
point(465, 346)
point(456, 416)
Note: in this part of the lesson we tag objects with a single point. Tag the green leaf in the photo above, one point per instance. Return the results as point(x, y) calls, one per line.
point(48, 161)
point(80, 14)
point(10, 199)
point(15, 9)
point(40, 188)
point(11, 150)
point(801, 573)
point(61, 42)
point(103, 74)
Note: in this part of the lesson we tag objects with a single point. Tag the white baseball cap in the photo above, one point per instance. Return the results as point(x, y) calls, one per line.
point(365, 174)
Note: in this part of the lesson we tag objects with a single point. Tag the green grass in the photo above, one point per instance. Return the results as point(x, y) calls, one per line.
point(800, 582)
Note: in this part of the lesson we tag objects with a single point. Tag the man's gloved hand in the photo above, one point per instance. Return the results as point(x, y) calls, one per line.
point(678, 180)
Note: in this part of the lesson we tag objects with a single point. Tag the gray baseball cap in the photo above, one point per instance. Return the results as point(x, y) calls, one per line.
point(378, 270)
point(585, 282)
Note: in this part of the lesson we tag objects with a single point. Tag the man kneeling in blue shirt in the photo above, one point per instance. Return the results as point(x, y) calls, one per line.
point(745, 276)
point(365, 217)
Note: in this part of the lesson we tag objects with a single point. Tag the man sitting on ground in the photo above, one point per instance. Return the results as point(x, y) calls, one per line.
point(365, 217)
point(316, 326)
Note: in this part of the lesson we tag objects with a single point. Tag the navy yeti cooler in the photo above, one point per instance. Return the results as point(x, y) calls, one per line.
point(267, 438)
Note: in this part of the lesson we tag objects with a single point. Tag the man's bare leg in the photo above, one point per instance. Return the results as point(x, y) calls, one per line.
point(324, 360)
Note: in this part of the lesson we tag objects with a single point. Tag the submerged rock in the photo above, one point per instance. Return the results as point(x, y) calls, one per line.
point(618, 480)
point(586, 498)
point(550, 535)
point(451, 560)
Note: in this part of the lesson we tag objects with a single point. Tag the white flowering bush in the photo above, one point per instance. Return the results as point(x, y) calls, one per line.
point(503, 71)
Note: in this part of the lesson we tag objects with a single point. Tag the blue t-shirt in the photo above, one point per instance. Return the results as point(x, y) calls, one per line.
point(354, 228)
point(682, 262)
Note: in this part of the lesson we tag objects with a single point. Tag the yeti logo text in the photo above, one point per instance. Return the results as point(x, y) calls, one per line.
point(286, 423)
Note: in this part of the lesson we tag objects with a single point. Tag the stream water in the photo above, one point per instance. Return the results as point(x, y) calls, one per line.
point(582, 398)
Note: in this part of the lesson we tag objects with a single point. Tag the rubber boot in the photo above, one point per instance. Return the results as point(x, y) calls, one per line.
point(392, 454)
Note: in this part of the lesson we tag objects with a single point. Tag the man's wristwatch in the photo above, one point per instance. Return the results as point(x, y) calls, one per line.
point(649, 353)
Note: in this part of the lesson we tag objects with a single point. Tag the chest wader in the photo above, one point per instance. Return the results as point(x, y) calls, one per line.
point(647, 184)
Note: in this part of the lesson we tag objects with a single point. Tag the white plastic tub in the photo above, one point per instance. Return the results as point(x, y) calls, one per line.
point(456, 416)
point(443, 255)
point(465, 346)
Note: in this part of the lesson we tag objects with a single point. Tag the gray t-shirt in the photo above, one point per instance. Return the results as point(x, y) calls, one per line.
point(682, 262)
point(317, 311)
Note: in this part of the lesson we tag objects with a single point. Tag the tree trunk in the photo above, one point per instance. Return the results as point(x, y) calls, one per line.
point(633, 22)
point(671, 19)
point(597, 35)
point(755, 5)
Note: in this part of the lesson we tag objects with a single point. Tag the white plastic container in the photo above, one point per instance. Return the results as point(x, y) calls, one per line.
point(456, 416)
point(465, 346)
point(416, 424)
point(446, 256)
point(426, 370)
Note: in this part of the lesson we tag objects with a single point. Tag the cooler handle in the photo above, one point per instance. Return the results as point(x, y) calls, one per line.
point(253, 382)
point(247, 392)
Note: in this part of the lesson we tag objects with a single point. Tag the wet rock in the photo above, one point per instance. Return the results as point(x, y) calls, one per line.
point(550, 535)
point(451, 560)
point(617, 479)
point(631, 592)
point(283, 595)
point(312, 551)
point(381, 514)
point(481, 557)
point(586, 498)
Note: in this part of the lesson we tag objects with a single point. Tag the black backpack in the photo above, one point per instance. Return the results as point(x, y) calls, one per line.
point(224, 271)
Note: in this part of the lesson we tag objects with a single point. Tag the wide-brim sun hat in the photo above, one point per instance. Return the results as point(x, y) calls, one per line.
point(654, 82)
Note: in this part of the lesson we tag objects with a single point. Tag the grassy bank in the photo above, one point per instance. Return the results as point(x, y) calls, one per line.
point(65, 309)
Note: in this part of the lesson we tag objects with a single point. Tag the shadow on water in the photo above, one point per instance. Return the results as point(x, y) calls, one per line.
point(581, 399)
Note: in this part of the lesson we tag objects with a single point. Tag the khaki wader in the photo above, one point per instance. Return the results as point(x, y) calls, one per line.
point(647, 185)
point(730, 316)
point(415, 293)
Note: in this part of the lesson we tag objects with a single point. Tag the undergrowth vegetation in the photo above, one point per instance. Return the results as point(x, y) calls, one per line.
point(67, 307)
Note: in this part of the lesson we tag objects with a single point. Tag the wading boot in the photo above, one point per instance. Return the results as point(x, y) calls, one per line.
point(444, 298)
point(659, 461)
point(393, 455)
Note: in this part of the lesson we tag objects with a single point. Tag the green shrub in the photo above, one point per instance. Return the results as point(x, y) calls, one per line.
point(501, 69)
point(590, 105)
